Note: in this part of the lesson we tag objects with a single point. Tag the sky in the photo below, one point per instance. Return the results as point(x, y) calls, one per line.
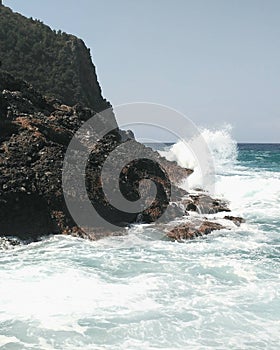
point(217, 62)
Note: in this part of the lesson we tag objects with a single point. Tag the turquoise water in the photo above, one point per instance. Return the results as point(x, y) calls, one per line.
point(260, 156)
point(140, 292)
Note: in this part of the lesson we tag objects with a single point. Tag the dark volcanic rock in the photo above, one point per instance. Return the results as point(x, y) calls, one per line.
point(34, 136)
point(37, 127)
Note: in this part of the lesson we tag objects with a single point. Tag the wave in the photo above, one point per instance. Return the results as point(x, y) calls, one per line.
point(222, 146)
point(253, 192)
point(130, 291)
point(223, 152)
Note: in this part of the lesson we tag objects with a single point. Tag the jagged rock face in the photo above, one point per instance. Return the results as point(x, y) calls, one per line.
point(55, 63)
point(34, 136)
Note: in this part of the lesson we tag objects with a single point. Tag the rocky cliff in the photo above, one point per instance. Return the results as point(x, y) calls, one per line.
point(34, 134)
point(57, 64)
point(37, 123)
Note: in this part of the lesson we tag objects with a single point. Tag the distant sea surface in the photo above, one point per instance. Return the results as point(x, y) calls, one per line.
point(221, 291)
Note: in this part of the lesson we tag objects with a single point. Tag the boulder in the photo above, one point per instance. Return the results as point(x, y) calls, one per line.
point(235, 219)
point(205, 204)
point(190, 230)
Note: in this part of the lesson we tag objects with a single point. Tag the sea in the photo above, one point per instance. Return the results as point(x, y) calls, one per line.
point(140, 291)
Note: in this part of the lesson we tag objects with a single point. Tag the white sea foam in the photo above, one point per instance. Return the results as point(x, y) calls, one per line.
point(245, 188)
point(137, 291)
point(165, 295)
point(222, 151)
point(222, 146)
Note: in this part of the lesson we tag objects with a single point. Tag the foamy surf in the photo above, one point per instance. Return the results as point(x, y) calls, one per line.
point(133, 292)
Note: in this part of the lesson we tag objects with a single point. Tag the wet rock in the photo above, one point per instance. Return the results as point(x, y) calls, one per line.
point(190, 230)
point(191, 207)
point(8, 243)
point(235, 219)
point(205, 204)
point(208, 226)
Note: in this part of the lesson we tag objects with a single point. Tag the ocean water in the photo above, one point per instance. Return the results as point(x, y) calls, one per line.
point(221, 291)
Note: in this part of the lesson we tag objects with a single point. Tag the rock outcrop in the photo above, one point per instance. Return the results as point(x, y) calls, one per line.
point(37, 123)
point(35, 132)
point(34, 135)
point(193, 229)
point(237, 220)
point(205, 204)
point(57, 64)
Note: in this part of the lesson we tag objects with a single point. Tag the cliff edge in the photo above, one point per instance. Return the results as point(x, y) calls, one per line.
point(39, 120)
point(56, 64)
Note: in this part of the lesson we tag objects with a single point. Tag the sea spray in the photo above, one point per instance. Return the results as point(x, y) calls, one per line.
point(223, 150)
point(222, 146)
point(138, 291)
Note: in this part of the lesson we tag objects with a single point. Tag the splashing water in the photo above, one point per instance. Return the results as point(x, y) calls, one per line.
point(138, 292)
point(222, 147)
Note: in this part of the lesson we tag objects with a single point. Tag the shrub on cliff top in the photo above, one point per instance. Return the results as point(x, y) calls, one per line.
point(55, 63)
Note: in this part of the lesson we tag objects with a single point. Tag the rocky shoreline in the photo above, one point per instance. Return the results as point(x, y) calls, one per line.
point(38, 121)
point(34, 135)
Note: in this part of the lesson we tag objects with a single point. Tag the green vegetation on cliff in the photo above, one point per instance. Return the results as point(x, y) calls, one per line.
point(55, 63)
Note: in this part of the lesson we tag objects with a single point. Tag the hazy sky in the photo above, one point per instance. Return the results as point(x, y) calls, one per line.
point(216, 61)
